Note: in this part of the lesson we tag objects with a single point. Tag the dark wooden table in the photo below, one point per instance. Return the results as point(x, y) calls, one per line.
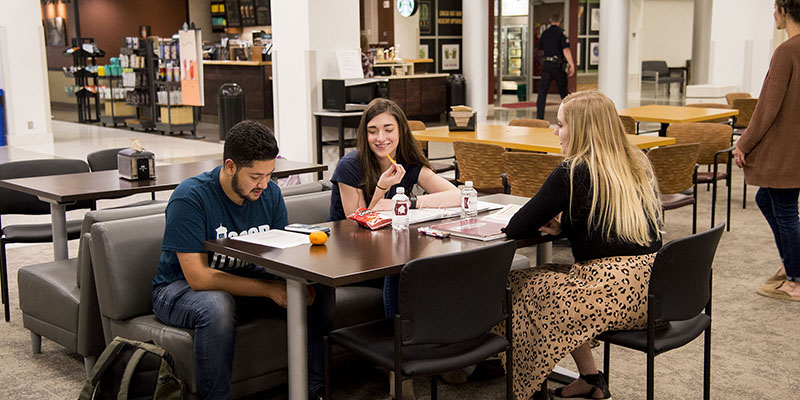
point(352, 254)
point(61, 190)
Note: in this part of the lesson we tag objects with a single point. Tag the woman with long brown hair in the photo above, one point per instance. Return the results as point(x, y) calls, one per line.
point(603, 197)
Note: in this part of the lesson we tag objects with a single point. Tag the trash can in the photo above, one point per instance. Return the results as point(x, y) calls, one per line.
point(456, 91)
point(522, 92)
point(231, 107)
point(2, 118)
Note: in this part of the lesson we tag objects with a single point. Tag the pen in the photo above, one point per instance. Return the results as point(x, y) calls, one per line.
point(391, 159)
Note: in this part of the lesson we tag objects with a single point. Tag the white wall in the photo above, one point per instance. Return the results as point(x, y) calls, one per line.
point(24, 69)
point(741, 43)
point(666, 30)
point(200, 14)
point(406, 35)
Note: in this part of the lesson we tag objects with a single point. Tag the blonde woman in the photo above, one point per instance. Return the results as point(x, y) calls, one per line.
point(603, 197)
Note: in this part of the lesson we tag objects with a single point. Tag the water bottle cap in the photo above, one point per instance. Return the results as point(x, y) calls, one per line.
point(468, 183)
point(400, 190)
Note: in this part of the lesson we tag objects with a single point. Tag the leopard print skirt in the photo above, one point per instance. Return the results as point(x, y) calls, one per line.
point(557, 308)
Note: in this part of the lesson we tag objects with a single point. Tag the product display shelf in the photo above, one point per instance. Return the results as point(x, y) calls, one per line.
point(85, 78)
point(146, 110)
point(114, 106)
point(176, 117)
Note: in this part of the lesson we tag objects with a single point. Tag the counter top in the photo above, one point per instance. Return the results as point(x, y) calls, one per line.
point(415, 76)
point(237, 63)
point(406, 60)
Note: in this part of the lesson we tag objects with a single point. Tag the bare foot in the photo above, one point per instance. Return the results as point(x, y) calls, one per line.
point(792, 288)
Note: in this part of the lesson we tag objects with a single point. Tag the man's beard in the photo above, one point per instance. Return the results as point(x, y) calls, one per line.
point(238, 189)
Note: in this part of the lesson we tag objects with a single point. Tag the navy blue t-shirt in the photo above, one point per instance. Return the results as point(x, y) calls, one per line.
point(349, 172)
point(199, 210)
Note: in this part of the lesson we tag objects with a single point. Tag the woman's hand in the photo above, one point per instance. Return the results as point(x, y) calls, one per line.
point(383, 205)
point(553, 227)
point(392, 176)
point(738, 158)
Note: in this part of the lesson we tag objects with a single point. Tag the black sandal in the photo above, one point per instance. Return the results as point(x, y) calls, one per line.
point(597, 381)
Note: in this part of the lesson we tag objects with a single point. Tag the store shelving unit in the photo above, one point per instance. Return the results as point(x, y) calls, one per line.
point(176, 117)
point(143, 95)
point(115, 106)
point(85, 79)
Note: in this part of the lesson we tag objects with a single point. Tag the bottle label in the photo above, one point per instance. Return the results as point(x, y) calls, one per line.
point(400, 208)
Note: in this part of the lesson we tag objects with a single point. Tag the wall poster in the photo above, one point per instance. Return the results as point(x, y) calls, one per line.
point(451, 57)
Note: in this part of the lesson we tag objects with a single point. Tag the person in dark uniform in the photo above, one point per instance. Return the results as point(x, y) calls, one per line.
point(555, 51)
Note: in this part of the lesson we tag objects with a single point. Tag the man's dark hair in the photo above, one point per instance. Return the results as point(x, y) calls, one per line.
point(792, 8)
point(249, 141)
point(555, 17)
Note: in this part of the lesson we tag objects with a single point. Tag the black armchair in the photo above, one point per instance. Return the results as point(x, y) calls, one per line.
point(680, 290)
point(12, 202)
point(657, 72)
point(447, 306)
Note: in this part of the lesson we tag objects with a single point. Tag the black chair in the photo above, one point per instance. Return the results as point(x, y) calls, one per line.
point(658, 73)
point(106, 160)
point(680, 289)
point(447, 306)
point(13, 202)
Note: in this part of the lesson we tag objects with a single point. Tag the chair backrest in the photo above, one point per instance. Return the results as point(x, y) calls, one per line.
point(730, 97)
point(312, 208)
point(103, 160)
point(416, 125)
point(125, 257)
point(109, 214)
point(681, 277)
point(657, 66)
point(480, 163)
point(13, 202)
point(712, 105)
point(530, 123)
point(454, 297)
point(674, 166)
point(527, 172)
point(712, 138)
point(746, 107)
point(628, 123)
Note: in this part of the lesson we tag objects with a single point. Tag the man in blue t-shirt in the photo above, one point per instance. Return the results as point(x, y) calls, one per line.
point(204, 291)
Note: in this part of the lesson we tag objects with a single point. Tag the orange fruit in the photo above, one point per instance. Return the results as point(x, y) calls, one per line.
point(317, 237)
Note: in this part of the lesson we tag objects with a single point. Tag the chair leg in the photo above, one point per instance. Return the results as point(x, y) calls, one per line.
point(326, 344)
point(744, 194)
point(694, 211)
point(152, 195)
point(433, 388)
point(88, 364)
point(707, 365)
point(4, 280)
point(713, 201)
point(398, 385)
point(607, 361)
point(651, 358)
point(36, 343)
point(728, 217)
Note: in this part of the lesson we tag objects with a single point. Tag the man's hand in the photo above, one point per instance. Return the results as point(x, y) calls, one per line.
point(738, 158)
point(277, 292)
point(571, 70)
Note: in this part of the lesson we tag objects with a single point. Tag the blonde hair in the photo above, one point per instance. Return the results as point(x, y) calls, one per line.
point(624, 191)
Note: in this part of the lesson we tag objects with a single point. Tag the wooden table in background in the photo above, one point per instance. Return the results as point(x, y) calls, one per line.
point(521, 138)
point(675, 114)
point(60, 190)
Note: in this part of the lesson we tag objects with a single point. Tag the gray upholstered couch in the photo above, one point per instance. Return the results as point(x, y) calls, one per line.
point(58, 298)
point(125, 255)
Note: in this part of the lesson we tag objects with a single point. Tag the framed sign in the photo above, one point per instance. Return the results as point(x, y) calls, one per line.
point(594, 19)
point(594, 52)
point(426, 20)
point(407, 8)
point(451, 57)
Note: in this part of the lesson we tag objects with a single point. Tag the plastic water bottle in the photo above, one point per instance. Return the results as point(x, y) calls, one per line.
point(400, 206)
point(469, 201)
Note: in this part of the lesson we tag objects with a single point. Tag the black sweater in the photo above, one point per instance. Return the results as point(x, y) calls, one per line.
point(553, 198)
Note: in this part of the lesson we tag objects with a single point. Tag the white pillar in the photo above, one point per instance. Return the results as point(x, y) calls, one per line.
point(23, 74)
point(406, 35)
point(306, 36)
point(612, 77)
point(476, 52)
point(701, 41)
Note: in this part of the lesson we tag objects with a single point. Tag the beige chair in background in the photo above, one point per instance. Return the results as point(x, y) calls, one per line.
point(746, 107)
point(438, 167)
point(725, 120)
point(629, 124)
point(675, 167)
point(526, 172)
point(730, 97)
point(530, 123)
point(480, 163)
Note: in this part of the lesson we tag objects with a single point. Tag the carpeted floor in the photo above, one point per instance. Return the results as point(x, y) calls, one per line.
point(752, 340)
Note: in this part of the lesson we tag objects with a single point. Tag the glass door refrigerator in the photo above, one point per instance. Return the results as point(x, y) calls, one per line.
point(515, 49)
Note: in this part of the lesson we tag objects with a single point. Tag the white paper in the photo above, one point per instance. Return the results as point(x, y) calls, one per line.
point(275, 238)
point(504, 215)
point(418, 215)
point(349, 62)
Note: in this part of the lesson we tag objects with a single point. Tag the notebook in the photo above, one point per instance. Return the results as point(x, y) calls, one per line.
point(473, 228)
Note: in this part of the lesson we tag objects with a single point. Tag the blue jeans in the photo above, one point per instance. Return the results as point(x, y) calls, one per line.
point(213, 316)
point(779, 207)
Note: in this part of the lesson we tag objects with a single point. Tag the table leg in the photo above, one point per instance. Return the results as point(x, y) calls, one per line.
point(319, 145)
point(544, 253)
point(297, 339)
point(341, 137)
point(663, 131)
point(58, 218)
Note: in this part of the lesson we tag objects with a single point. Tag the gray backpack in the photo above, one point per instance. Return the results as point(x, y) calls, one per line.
point(130, 369)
